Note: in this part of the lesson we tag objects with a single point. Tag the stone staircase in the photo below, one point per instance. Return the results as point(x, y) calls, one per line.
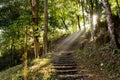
point(66, 68)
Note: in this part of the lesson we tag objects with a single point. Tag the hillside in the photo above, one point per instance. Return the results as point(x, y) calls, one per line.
point(59, 40)
point(95, 63)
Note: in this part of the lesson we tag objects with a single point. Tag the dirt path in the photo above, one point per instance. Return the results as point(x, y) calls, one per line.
point(64, 62)
point(69, 43)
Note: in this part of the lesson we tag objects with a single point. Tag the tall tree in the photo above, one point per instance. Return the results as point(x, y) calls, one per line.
point(98, 9)
point(34, 7)
point(82, 4)
point(111, 26)
point(78, 18)
point(25, 74)
point(45, 39)
point(63, 20)
point(91, 18)
point(118, 8)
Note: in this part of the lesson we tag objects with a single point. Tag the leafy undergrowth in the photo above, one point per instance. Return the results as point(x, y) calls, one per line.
point(102, 60)
point(38, 69)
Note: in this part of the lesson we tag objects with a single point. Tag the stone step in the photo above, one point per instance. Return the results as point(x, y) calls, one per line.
point(65, 56)
point(74, 71)
point(73, 64)
point(73, 77)
point(70, 77)
point(64, 67)
point(65, 59)
point(64, 62)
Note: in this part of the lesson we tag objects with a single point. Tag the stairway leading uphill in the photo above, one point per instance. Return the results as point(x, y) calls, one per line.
point(66, 68)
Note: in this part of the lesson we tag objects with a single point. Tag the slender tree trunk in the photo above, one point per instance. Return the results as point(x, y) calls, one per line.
point(82, 3)
point(11, 55)
point(110, 23)
point(14, 52)
point(45, 39)
point(34, 7)
point(118, 8)
point(25, 73)
point(78, 18)
point(92, 28)
point(63, 20)
point(91, 20)
point(97, 11)
point(11, 51)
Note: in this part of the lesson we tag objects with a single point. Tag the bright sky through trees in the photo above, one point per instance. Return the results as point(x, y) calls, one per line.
point(0, 32)
point(1, 6)
point(94, 19)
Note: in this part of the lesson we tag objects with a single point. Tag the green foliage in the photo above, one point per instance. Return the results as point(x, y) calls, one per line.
point(16, 17)
point(9, 13)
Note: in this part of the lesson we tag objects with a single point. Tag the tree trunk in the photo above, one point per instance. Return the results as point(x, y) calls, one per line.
point(97, 11)
point(118, 8)
point(45, 39)
point(91, 20)
point(110, 23)
point(82, 3)
point(25, 73)
point(78, 18)
point(63, 20)
point(11, 51)
point(34, 7)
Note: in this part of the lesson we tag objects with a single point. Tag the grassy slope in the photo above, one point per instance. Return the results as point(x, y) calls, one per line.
point(101, 62)
point(38, 69)
point(10, 73)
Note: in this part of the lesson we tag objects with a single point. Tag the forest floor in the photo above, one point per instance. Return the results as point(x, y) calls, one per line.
point(91, 61)
point(85, 68)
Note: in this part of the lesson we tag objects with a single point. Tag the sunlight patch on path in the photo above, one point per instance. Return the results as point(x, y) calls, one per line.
point(68, 41)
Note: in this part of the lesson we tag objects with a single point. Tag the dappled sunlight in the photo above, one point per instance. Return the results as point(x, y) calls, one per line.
point(1, 32)
point(95, 19)
point(1, 6)
point(87, 27)
point(47, 71)
point(41, 39)
point(88, 24)
point(40, 63)
point(38, 69)
point(43, 67)
point(68, 41)
point(61, 30)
